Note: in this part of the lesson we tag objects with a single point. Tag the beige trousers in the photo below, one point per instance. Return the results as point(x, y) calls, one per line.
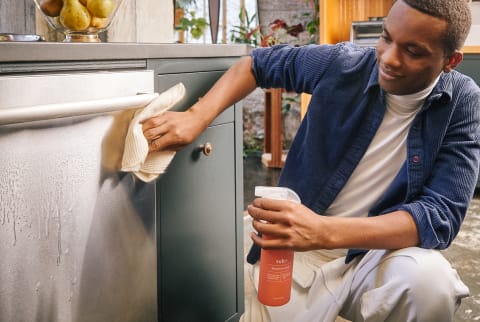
point(411, 284)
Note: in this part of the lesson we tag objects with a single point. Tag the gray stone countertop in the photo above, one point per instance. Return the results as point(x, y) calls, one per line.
point(54, 51)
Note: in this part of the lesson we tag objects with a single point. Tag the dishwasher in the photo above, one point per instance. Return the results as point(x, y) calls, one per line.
point(77, 236)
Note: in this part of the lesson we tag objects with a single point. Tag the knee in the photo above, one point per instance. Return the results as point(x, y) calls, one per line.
point(419, 283)
point(422, 281)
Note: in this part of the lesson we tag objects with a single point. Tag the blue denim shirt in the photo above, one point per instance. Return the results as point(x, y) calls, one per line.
point(438, 178)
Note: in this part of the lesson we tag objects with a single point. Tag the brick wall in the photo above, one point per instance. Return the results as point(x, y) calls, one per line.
point(291, 11)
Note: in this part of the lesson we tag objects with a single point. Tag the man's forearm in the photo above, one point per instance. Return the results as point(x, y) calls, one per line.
point(234, 85)
point(390, 231)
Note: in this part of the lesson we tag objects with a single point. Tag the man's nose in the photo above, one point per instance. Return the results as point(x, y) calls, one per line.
point(391, 56)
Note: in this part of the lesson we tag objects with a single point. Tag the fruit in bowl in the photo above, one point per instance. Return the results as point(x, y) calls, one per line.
point(79, 20)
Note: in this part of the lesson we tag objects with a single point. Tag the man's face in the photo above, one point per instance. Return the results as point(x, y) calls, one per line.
point(409, 52)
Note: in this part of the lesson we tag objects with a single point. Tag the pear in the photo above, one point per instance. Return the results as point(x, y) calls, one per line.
point(100, 8)
point(51, 8)
point(74, 15)
point(98, 22)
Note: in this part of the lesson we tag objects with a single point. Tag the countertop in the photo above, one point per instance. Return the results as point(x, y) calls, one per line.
point(56, 51)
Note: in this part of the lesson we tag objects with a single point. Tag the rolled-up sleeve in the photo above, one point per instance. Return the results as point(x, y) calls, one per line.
point(293, 68)
point(441, 206)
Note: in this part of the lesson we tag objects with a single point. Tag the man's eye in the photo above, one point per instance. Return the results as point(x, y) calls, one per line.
point(414, 52)
point(384, 38)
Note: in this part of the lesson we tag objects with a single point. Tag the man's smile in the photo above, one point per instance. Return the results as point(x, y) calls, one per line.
point(387, 74)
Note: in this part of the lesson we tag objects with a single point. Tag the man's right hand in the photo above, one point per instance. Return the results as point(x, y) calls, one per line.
point(175, 130)
point(172, 130)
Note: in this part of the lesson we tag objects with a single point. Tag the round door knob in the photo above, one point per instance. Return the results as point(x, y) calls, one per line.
point(207, 148)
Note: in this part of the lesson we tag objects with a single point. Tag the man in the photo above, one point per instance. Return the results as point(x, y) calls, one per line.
point(385, 163)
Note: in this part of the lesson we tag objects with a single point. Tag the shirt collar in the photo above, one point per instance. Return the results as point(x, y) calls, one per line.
point(373, 81)
point(443, 89)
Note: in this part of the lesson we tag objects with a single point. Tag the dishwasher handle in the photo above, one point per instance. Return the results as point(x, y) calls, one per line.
point(60, 110)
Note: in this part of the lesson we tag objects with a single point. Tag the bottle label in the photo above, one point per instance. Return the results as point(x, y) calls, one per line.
point(279, 270)
point(275, 277)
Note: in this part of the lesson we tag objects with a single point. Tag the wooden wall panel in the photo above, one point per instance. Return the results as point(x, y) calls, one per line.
point(336, 16)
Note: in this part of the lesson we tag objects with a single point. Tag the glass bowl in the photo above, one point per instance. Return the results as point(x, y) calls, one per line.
point(79, 20)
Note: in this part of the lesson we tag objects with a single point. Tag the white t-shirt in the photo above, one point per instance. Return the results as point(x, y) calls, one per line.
point(382, 160)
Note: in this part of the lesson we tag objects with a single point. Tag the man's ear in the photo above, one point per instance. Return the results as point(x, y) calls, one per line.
point(452, 61)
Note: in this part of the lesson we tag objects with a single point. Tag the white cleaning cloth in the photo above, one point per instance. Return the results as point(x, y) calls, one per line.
point(148, 166)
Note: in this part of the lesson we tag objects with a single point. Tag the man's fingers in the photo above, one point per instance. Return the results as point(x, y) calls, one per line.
point(154, 133)
point(270, 204)
point(272, 229)
point(155, 144)
point(273, 243)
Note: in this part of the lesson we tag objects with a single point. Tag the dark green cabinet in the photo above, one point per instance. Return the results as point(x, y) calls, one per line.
point(200, 209)
point(196, 232)
point(471, 66)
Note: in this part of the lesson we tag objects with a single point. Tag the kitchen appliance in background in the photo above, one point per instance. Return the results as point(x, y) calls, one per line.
point(19, 37)
point(77, 237)
point(366, 33)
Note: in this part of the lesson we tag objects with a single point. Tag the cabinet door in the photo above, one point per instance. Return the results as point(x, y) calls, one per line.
point(196, 233)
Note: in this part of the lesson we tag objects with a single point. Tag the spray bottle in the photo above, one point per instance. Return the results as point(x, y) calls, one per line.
point(276, 266)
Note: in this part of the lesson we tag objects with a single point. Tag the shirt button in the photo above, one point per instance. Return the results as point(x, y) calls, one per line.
point(416, 159)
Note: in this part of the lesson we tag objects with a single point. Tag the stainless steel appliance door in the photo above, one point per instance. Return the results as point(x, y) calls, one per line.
point(77, 238)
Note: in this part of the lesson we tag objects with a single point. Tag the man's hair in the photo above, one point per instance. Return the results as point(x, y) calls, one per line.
point(456, 13)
